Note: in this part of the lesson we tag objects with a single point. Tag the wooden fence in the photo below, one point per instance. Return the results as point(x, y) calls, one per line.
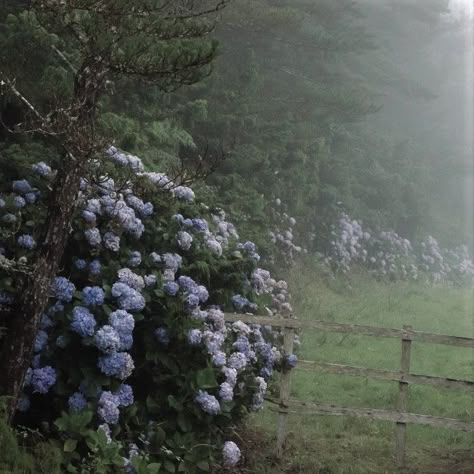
point(404, 377)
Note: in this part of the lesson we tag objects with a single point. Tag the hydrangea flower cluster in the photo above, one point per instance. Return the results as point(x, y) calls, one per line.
point(388, 255)
point(129, 287)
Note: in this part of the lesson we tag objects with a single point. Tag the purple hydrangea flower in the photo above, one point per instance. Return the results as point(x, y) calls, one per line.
point(194, 336)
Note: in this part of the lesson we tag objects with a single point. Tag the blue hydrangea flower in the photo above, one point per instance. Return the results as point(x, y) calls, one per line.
point(112, 241)
point(162, 335)
point(183, 193)
point(230, 454)
point(26, 241)
point(77, 402)
point(147, 210)
point(93, 296)
point(259, 395)
point(62, 289)
point(172, 261)
point(41, 169)
point(192, 301)
point(226, 392)
point(21, 186)
point(134, 259)
point(93, 236)
point(43, 379)
point(83, 321)
point(57, 307)
point(119, 364)
point(230, 375)
point(30, 198)
point(124, 395)
point(150, 280)
point(291, 360)
point(128, 298)
point(202, 293)
point(126, 342)
point(80, 263)
point(237, 361)
point(240, 302)
point(122, 321)
point(89, 216)
point(186, 283)
point(23, 404)
point(184, 240)
point(200, 225)
point(194, 336)
point(108, 408)
point(41, 340)
point(46, 322)
point(219, 358)
point(19, 202)
point(61, 341)
point(171, 288)
point(208, 403)
point(9, 218)
point(107, 340)
point(95, 267)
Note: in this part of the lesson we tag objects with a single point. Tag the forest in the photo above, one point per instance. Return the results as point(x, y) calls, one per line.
point(165, 165)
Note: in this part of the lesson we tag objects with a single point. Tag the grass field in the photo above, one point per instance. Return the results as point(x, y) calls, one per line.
point(323, 444)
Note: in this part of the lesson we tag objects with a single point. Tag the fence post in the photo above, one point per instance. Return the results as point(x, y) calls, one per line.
point(402, 405)
point(285, 387)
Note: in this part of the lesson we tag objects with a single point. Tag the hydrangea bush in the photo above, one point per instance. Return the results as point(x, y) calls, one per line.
point(387, 255)
point(135, 367)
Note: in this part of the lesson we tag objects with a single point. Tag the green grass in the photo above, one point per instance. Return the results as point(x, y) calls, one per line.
point(346, 445)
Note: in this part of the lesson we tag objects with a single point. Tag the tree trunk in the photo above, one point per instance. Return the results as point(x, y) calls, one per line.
point(34, 292)
point(23, 322)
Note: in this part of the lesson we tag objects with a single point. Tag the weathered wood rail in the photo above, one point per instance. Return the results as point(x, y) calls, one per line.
point(401, 417)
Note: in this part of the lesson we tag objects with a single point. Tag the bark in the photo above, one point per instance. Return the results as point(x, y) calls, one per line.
point(23, 322)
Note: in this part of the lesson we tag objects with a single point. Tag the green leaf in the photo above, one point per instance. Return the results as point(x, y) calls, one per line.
point(70, 445)
point(206, 378)
point(203, 465)
point(153, 468)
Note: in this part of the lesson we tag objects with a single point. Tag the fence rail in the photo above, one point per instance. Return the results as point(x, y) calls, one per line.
point(401, 417)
